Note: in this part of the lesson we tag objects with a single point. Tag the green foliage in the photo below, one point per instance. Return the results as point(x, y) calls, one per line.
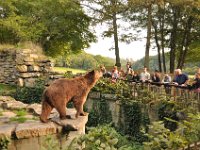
point(29, 94)
point(168, 109)
point(7, 89)
point(133, 120)
point(64, 29)
point(21, 112)
point(19, 119)
point(103, 137)
point(162, 138)
point(50, 143)
point(190, 128)
point(4, 142)
point(170, 112)
point(105, 85)
point(99, 114)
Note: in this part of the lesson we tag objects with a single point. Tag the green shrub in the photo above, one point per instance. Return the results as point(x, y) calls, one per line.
point(7, 90)
point(103, 137)
point(50, 143)
point(169, 109)
point(31, 94)
point(100, 114)
point(4, 142)
point(134, 120)
point(162, 138)
point(106, 86)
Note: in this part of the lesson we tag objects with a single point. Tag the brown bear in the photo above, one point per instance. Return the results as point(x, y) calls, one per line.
point(61, 91)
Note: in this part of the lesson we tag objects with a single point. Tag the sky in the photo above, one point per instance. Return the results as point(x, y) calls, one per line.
point(135, 50)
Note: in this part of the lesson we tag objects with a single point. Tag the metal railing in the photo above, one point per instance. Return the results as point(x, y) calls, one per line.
point(180, 94)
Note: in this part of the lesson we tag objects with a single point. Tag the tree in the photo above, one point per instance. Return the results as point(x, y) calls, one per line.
point(57, 31)
point(108, 12)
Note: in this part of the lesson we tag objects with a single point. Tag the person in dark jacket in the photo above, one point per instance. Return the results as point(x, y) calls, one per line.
point(135, 76)
point(156, 77)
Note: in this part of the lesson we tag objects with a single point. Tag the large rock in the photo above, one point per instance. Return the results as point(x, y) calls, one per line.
point(72, 124)
point(96, 95)
point(6, 98)
point(7, 130)
point(22, 68)
point(34, 109)
point(35, 129)
point(13, 105)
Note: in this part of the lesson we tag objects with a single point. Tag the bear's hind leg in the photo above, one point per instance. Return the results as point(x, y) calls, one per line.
point(62, 112)
point(46, 110)
point(79, 109)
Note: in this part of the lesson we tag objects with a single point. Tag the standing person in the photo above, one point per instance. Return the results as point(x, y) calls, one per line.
point(196, 85)
point(180, 78)
point(128, 68)
point(115, 74)
point(135, 77)
point(167, 78)
point(156, 76)
point(103, 69)
point(145, 75)
point(198, 71)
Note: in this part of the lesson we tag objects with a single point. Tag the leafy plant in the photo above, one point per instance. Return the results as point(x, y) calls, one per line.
point(103, 137)
point(162, 138)
point(50, 143)
point(4, 142)
point(100, 114)
point(107, 86)
point(21, 112)
point(169, 109)
point(29, 94)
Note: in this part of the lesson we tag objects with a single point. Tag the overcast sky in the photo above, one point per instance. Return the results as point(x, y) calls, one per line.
point(134, 50)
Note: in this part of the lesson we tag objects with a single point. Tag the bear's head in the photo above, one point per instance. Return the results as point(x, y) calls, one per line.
point(94, 75)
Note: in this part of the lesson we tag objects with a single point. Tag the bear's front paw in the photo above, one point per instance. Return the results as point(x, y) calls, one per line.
point(68, 117)
point(83, 114)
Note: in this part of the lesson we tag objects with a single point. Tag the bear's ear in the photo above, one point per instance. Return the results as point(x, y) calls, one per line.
point(91, 72)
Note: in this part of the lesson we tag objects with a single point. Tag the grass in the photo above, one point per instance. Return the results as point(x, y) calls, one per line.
point(20, 116)
point(1, 113)
point(7, 89)
point(3, 46)
point(63, 70)
point(21, 113)
point(18, 119)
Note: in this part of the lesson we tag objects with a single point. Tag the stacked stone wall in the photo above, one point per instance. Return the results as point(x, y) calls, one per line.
point(7, 66)
point(23, 66)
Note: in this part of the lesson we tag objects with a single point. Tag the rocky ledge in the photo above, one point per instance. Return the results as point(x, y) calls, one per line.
point(13, 126)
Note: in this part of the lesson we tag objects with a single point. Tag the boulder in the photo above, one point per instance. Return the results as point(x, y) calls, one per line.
point(35, 129)
point(7, 130)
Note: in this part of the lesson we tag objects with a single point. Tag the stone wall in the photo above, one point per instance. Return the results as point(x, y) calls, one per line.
point(115, 107)
point(7, 66)
point(23, 66)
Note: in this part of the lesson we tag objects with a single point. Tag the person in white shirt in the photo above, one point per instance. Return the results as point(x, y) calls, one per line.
point(144, 75)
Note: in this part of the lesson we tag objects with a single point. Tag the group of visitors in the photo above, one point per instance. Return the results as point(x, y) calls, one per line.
point(179, 79)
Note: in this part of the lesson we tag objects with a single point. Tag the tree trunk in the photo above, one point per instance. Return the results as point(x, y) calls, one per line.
point(149, 19)
point(118, 64)
point(158, 46)
point(187, 40)
point(173, 40)
point(162, 43)
point(185, 43)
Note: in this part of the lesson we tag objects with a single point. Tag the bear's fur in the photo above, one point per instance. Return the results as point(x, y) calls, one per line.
point(61, 91)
